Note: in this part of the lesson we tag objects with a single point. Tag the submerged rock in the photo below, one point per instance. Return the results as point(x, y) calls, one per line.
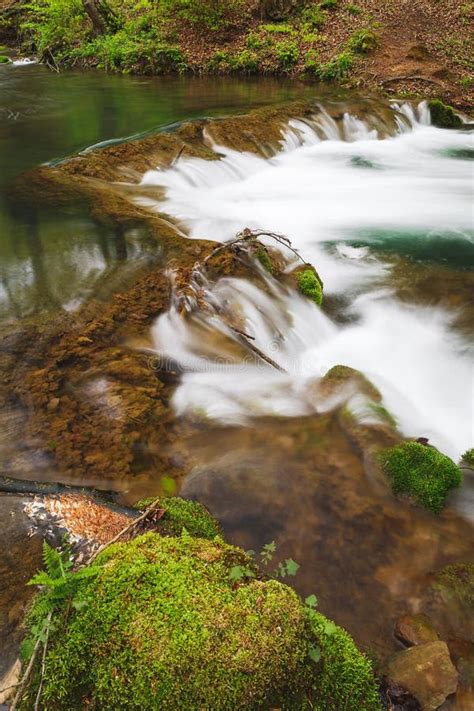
point(442, 115)
point(415, 629)
point(427, 672)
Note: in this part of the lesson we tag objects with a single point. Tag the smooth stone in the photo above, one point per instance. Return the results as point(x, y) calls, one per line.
point(427, 672)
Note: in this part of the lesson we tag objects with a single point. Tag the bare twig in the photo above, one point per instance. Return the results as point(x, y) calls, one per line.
point(43, 662)
point(152, 508)
point(25, 678)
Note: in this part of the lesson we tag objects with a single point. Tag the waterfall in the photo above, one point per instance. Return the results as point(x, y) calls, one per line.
point(343, 191)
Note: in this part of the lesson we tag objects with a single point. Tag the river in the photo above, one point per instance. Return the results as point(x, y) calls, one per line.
point(386, 218)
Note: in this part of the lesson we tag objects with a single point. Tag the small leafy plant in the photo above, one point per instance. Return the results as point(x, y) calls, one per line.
point(287, 53)
point(58, 585)
point(284, 568)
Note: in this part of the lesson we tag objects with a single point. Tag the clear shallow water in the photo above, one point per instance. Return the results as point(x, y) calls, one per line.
point(329, 192)
point(55, 261)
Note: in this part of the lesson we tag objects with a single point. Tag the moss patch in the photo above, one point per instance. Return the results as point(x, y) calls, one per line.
point(346, 679)
point(310, 286)
point(421, 472)
point(183, 514)
point(164, 628)
point(443, 115)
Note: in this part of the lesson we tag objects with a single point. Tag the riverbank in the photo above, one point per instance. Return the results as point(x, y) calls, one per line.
point(398, 48)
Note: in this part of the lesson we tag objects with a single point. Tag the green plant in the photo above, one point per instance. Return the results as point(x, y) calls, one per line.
point(328, 4)
point(313, 17)
point(212, 14)
point(255, 41)
point(245, 61)
point(287, 53)
point(59, 586)
point(354, 10)
point(468, 457)
point(278, 29)
point(363, 41)
point(336, 68)
point(311, 62)
point(310, 286)
point(4, 60)
point(183, 513)
point(55, 25)
point(284, 568)
point(421, 472)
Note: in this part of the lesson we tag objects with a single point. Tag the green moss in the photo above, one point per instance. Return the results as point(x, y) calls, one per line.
point(443, 115)
point(468, 457)
point(363, 41)
point(4, 60)
point(161, 625)
point(310, 286)
point(182, 513)
point(264, 259)
point(164, 628)
point(346, 678)
point(421, 472)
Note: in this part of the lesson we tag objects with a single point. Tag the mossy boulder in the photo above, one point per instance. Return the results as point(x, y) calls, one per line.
point(309, 283)
point(421, 472)
point(345, 680)
point(4, 59)
point(163, 626)
point(182, 514)
point(442, 115)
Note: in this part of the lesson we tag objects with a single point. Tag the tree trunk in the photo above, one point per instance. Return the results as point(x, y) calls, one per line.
point(277, 9)
point(97, 16)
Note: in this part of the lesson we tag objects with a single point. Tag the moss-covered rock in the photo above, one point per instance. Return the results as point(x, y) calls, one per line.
point(421, 472)
point(442, 115)
point(183, 514)
point(310, 285)
point(4, 59)
point(345, 680)
point(163, 626)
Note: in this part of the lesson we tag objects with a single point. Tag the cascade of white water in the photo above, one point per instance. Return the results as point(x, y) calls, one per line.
point(334, 183)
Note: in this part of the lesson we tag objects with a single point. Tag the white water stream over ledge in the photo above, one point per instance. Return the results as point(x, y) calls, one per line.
point(332, 183)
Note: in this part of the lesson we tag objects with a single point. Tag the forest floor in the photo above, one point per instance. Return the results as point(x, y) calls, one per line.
point(403, 48)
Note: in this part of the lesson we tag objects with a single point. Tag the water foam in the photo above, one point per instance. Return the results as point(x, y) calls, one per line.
point(331, 182)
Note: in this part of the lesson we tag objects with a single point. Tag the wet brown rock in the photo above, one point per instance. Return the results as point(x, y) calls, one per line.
point(449, 602)
point(415, 629)
point(427, 672)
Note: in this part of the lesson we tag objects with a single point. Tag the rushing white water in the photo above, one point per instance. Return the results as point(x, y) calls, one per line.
point(332, 183)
